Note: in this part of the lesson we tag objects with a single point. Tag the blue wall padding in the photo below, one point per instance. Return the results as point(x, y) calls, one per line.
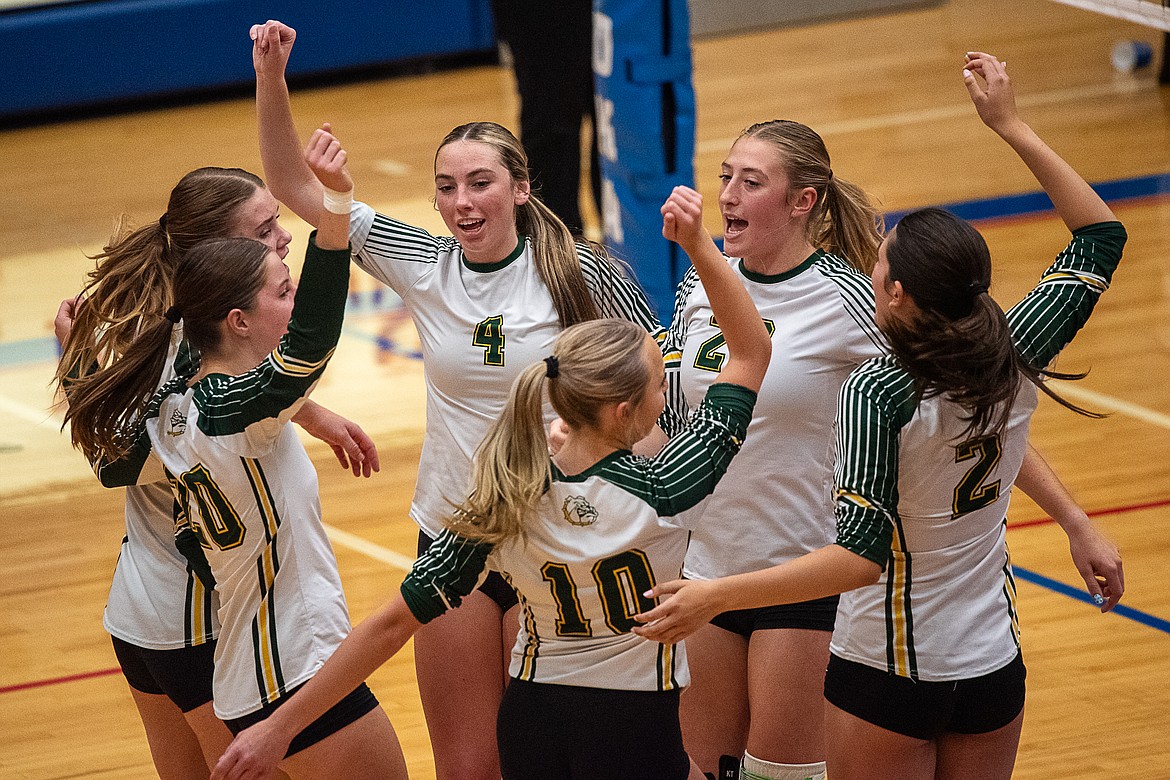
point(653, 129)
point(95, 52)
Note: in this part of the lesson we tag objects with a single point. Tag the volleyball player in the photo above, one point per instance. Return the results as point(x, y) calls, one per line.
point(926, 678)
point(487, 301)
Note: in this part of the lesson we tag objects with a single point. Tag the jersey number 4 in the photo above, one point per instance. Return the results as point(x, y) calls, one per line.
point(709, 358)
point(489, 334)
point(973, 491)
point(621, 580)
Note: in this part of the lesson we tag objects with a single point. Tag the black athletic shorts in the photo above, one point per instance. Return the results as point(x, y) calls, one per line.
point(182, 675)
point(926, 710)
point(817, 615)
point(494, 586)
point(558, 732)
point(357, 703)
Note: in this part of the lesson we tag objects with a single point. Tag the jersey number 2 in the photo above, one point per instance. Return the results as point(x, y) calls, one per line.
point(621, 580)
point(709, 358)
point(489, 334)
point(971, 493)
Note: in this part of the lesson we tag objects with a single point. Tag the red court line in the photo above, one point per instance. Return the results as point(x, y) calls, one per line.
point(1011, 527)
point(57, 680)
point(1118, 510)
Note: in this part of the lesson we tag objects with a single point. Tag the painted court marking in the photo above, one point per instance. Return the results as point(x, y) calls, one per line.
point(403, 563)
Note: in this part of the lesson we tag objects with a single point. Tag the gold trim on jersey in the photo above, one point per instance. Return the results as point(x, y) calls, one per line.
point(198, 611)
point(899, 630)
point(292, 366)
point(1009, 592)
point(667, 674)
point(267, 653)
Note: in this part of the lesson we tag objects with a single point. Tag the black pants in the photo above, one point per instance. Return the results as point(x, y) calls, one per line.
point(552, 45)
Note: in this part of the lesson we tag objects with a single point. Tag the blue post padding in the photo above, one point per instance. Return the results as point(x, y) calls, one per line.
point(95, 52)
point(646, 126)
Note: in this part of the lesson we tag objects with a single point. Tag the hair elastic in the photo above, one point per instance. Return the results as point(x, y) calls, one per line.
point(552, 367)
point(162, 222)
point(172, 314)
point(977, 288)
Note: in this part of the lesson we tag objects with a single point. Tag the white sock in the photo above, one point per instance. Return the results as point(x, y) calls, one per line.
point(752, 768)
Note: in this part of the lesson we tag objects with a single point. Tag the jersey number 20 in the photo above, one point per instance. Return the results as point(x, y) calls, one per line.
point(220, 521)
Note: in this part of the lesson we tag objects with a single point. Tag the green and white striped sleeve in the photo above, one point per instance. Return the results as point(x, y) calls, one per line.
point(1059, 305)
point(229, 405)
point(692, 463)
point(450, 569)
point(875, 402)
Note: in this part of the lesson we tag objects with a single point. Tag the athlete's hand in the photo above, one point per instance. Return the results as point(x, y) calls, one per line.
point(688, 606)
point(994, 99)
point(272, 44)
point(327, 159)
point(63, 322)
point(354, 449)
point(682, 219)
point(1099, 562)
point(253, 754)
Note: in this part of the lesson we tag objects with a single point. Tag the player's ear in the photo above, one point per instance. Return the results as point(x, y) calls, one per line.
point(521, 192)
point(236, 322)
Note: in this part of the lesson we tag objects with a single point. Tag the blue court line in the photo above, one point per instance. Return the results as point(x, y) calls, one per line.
point(43, 349)
point(15, 353)
point(1038, 202)
point(1136, 615)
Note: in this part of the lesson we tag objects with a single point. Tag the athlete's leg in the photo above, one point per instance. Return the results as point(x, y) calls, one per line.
point(174, 746)
point(458, 660)
point(859, 750)
point(714, 708)
point(366, 748)
point(786, 690)
point(213, 733)
point(990, 756)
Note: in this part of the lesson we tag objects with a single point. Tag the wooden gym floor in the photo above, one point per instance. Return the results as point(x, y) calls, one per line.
point(886, 93)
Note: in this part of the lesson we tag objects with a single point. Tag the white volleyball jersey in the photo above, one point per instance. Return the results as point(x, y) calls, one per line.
point(249, 492)
point(480, 325)
point(929, 502)
point(776, 502)
point(601, 539)
point(155, 600)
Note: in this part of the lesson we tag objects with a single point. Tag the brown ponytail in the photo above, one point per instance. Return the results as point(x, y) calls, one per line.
point(130, 287)
point(106, 407)
point(959, 344)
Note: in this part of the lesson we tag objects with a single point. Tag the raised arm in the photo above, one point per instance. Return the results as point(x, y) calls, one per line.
point(289, 179)
point(749, 347)
point(325, 160)
point(1075, 201)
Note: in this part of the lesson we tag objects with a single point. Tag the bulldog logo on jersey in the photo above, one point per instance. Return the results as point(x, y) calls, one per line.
point(578, 511)
point(178, 424)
